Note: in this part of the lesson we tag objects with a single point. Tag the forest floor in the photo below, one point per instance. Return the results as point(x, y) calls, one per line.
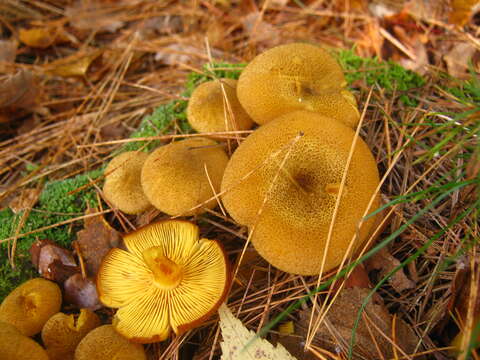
point(82, 81)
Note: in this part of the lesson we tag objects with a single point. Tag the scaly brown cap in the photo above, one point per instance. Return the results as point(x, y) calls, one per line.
point(296, 76)
point(122, 185)
point(168, 279)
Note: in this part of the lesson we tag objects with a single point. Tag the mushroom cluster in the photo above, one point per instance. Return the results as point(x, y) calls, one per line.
point(302, 182)
point(34, 306)
point(180, 178)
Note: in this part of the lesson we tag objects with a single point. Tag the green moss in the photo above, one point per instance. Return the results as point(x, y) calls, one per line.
point(387, 75)
point(55, 205)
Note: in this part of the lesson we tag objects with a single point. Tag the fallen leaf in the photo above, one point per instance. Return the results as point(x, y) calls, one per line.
point(376, 324)
point(385, 262)
point(462, 11)
point(239, 343)
point(96, 15)
point(74, 65)
point(260, 31)
point(52, 261)
point(38, 37)
point(18, 90)
point(175, 54)
point(82, 293)
point(459, 59)
point(97, 238)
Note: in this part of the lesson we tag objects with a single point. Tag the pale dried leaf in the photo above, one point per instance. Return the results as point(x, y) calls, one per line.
point(239, 343)
point(75, 65)
point(458, 59)
point(385, 262)
point(260, 31)
point(100, 16)
point(24, 200)
point(8, 51)
point(38, 37)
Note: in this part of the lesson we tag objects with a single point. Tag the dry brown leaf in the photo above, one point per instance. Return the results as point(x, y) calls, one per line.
point(260, 31)
point(39, 37)
point(462, 11)
point(459, 58)
point(82, 293)
point(75, 65)
point(95, 15)
point(52, 261)
point(374, 330)
point(18, 90)
point(385, 262)
point(97, 238)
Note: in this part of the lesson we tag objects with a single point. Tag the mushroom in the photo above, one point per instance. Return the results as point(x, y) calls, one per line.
point(296, 76)
point(62, 333)
point(180, 176)
point(16, 346)
point(30, 305)
point(104, 343)
point(122, 183)
point(300, 181)
point(168, 279)
point(212, 105)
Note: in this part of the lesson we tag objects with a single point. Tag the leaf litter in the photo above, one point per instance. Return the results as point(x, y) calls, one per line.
point(77, 88)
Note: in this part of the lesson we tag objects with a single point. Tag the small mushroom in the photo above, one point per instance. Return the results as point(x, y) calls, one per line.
point(16, 346)
point(214, 107)
point(62, 333)
point(122, 185)
point(29, 306)
point(168, 279)
point(296, 76)
point(288, 190)
point(104, 343)
point(174, 176)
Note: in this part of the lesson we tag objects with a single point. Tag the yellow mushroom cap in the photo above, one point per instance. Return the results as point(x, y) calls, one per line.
point(212, 105)
point(104, 343)
point(29, 306)
point(16, 346)
point(293, 77)
point(174, 177)
point(292, 230)
point(168, 279)
point(122, 182)
point(62, 333)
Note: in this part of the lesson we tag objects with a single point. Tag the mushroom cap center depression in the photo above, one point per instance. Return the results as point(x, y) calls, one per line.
point(167, 274)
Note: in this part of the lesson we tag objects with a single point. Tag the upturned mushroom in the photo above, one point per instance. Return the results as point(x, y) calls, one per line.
point(29, 306)
point(214, 107)
point(62, 333)
point(183, 175)
point(104, 343)
point(296, 76)
point(16, 346)
point(290, 195)
point(168, 279)
point(122, 186)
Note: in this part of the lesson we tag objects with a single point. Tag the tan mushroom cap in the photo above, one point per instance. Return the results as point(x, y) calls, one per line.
point(292, 230)
point(174, 178)
point(16, 346)
point(296, 76)
point(104, 343)
point(122, 182)
point(29, 306)
point(62, 333)
point(168, 279)
point(212, 105)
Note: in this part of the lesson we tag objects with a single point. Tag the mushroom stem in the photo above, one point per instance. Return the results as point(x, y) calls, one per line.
point(167, 274)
